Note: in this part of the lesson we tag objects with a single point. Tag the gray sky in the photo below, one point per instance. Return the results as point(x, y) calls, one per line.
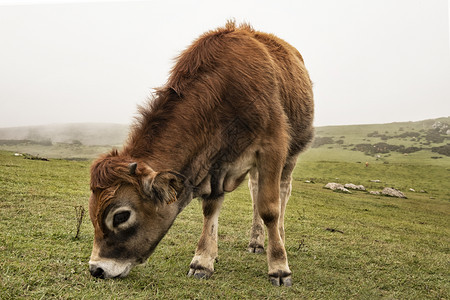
point(372, 61)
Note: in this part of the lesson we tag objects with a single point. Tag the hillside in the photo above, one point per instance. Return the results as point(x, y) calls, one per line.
point(85, 133)
point(359, 133)
point(426, 141)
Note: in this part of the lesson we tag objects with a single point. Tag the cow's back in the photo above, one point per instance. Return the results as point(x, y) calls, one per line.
point(259, 79)
point(295, 89)
point(234, 88)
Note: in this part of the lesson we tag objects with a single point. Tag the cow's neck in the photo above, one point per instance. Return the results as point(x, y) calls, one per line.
point(159, 137)
point(165, 140)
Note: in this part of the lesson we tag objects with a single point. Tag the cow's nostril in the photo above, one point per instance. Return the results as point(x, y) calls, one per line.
point(98, 272)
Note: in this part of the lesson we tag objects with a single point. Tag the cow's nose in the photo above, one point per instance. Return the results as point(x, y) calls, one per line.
point(97, 272)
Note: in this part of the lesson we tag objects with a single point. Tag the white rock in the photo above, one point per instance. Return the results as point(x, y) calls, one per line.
point(333, 185)
point(342, 189)
point(336, 187)
point(354, 187)
point(374, 192)
point(376, 180)
point(392, 193)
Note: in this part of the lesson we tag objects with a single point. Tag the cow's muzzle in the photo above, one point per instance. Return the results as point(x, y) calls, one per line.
point(109, 269)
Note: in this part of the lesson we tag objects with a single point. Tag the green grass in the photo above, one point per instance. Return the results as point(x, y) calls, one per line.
point(390, 248)
point(336, 153)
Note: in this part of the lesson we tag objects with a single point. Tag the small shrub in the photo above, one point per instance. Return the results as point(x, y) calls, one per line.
point(373, 134)
point(79, 214)
point(366, 148)
point(369, 149)
point(320, 141)
point(409, 150)
point(408, 134)
point(434, 136)
point(34, 157)
point(444, 150)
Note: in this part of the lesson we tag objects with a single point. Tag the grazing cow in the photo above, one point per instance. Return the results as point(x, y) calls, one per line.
point(237, 102)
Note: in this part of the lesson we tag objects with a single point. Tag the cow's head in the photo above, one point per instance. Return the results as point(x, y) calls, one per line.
point(131, 207)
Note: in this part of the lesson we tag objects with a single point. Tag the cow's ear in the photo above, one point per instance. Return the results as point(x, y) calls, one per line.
point(163, 187)
point(173, 91)
point(132, 168)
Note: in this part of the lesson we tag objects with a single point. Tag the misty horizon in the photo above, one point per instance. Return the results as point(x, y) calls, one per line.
point(131, 123)
point(371, 62)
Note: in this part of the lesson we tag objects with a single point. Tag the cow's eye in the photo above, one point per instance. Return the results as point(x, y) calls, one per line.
point(120, 218)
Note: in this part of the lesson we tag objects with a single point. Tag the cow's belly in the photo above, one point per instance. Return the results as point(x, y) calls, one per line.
point(226, 178)
point(234, 177)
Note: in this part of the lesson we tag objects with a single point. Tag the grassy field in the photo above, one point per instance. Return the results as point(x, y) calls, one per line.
point(340, 246)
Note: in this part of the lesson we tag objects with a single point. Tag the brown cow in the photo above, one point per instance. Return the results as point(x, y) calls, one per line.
point(237, 102)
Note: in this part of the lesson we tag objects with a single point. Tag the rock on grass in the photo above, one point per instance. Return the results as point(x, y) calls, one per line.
point(391, 192)
point(354, 187)
point(337, 187)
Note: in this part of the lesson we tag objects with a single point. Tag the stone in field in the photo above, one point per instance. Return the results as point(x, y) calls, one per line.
point(393, 193)
point(354, 187)
point(337, 187)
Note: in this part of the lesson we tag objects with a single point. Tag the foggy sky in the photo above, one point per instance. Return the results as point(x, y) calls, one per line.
point(372, 61)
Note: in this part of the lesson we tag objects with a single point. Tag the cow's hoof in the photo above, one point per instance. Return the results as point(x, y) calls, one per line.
point(200, 273)
point(255, 249)
point(280, 278)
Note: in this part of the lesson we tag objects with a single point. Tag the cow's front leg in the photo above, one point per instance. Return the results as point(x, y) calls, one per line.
point(202, 265)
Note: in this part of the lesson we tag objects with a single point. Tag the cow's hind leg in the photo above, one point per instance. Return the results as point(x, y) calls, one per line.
point(202, 265)
point(256, 244)
point(285, 190)
point(269, 208)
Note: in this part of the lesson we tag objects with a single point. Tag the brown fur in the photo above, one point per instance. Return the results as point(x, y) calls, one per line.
point(202, 97)
point(236, 99)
